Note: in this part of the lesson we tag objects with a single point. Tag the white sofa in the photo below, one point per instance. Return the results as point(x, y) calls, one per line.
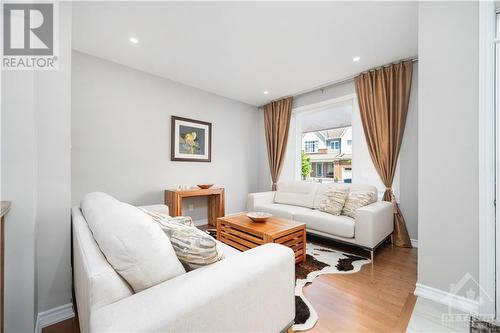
point(299, 200)
point(251, 291)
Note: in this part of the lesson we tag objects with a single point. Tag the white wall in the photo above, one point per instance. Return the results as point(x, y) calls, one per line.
point(121, 136)
point(35, 177)
point(18, 184)
point(264, 177)
point(330, 92)
point(408, 162)
point(448, 170)
point(53, 136)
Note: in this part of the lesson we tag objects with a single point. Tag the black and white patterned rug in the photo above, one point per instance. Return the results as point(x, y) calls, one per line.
point(320, 260)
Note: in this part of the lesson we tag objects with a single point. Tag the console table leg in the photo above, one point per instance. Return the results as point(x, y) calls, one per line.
point(211, 210)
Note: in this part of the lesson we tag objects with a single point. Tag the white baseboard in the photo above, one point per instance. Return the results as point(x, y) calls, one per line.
point(53, 316)
point(414, 242)
point(442, 297)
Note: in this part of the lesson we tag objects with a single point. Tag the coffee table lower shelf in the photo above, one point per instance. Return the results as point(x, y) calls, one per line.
point(241, 233)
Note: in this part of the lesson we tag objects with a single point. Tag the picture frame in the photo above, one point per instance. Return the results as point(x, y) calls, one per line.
point(190, 140)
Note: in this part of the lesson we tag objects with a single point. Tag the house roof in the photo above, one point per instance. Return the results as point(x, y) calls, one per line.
point(335, 133)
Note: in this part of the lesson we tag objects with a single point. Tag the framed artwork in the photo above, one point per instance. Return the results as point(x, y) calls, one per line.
point(191, 140)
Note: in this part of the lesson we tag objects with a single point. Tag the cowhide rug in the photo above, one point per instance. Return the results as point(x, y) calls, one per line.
point(320, 260)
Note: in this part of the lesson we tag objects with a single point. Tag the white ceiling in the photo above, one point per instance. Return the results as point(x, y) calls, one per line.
point(240, 49)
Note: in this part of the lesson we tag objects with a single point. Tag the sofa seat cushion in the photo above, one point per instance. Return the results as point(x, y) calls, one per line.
point(296, 193)
point(281, 210)
point(342, 226)
point(131, 241)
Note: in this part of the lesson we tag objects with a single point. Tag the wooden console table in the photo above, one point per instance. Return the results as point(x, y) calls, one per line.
point(215, 197)
point(4, 208)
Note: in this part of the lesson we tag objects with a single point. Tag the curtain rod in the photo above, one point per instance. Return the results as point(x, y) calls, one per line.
point(337, 82)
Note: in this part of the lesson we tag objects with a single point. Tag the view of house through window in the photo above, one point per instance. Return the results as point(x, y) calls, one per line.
point(327, 155)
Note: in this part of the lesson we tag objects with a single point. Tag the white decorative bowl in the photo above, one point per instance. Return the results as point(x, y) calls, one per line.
point(259, 216)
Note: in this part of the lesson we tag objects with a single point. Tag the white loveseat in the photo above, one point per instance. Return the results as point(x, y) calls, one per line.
point(251, 291)
point(299, 200)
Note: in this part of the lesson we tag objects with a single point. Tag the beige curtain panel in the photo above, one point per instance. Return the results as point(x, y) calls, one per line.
point(383, 96)
point(277, 123)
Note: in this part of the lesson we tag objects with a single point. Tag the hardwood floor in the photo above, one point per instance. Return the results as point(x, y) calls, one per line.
point(406, 313)
point(67, 326)
point(378, 298)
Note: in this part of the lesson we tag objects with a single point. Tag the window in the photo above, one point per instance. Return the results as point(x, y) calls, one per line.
point(334, 144)
point(319, 171)
point(324, 141)
point(329, 169)
point(313, 170)
point(328, 155)
point(311, 146)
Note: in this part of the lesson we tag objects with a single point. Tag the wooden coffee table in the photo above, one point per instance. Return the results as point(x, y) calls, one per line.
point(242, 233)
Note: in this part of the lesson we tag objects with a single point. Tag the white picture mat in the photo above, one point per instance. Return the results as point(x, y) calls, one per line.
point(178, 154)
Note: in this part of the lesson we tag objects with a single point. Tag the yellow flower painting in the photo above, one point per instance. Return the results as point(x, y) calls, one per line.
point(191, 140)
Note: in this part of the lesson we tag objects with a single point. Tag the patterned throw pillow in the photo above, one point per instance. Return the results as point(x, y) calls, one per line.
point(160, 217)
point(333, 201)
point(356, 200)
point(193, 247)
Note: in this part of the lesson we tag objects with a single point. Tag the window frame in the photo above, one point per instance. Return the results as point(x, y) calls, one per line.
point(334, 141)
point(315, 144)
point(296, 128)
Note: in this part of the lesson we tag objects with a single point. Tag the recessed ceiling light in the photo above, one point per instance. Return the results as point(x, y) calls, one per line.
point(356, 59)
point(266, 92)
point(133, 40)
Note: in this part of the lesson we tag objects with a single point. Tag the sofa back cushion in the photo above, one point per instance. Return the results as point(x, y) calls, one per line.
point(365, 188)
point(296, 193)
point(96, 282)
point(355, 200)
point(322, 188)
point(334, 200)
point(131, 241)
